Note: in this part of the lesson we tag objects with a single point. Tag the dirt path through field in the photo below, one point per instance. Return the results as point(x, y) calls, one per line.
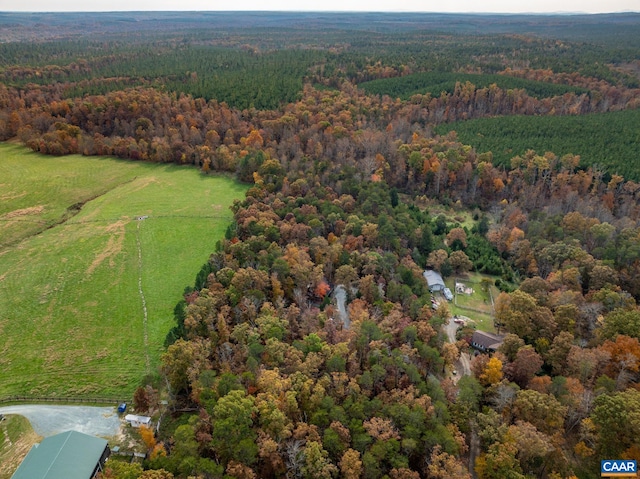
point(142, 298)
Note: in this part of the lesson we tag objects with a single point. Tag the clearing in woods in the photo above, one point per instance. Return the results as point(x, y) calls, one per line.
point(94, 253)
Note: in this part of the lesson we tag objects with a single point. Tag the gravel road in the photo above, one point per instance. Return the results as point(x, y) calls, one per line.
point(49, 420)
point(341, 299)
point(463, 364)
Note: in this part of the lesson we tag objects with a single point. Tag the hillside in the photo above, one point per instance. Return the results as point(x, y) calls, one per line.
point(91, 287)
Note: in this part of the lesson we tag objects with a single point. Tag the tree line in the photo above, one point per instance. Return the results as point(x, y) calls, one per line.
point(434, 83)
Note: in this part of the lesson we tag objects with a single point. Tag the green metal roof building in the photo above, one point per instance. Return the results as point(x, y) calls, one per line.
point(69, 455)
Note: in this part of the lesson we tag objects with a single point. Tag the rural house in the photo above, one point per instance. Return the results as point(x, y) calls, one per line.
point(69, 455)
point(486, 342)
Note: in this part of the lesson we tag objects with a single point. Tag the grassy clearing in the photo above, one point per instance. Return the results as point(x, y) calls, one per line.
point(38, 192)
point(16, 438)
point(477, 305)
point(71, 313)
point(455, 217)
point(482, 322)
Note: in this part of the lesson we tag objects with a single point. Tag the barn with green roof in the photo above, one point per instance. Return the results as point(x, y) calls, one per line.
point(69, 455)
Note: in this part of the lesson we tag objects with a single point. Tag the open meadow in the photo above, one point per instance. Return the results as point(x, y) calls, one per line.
point(94, 253)
point(474, 300)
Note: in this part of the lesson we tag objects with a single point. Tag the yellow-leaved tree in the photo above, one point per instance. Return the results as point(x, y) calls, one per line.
point(492, 373)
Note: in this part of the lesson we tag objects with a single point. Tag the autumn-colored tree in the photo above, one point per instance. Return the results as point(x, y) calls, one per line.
point(121, 470)
point(450, 353)
point(148, 437)
point(510, 346)
point(346, 275)
point(537, 287)
point(492, 373)
point(586, 364)
point(457, 239)
point(602, 275)
point(158, 451)
point(557, 354)
point(269, 454)
point(499, 462)
point(446, 466)
point(519, 313)
point(625, 359)
point(316, 462)
point(142, 398)
point(542, 384)
point(460, 262)
point(513, 311)
point(240, 471)
point(156, 474)
point(542, 410)
point(533, 446)
point(436, 259)
point(526, 363)
point(272, 420)
point(381, 429)
point(403, 473)
point(183, 361)
point(321, 289)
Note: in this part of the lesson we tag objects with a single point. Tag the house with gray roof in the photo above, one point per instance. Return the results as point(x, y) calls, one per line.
point(69, 455)
point(486, 342)
point(434, 280)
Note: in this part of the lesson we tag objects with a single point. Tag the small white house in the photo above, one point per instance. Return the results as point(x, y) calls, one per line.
point(137, 421)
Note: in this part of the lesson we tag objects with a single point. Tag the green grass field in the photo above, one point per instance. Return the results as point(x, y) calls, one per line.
point(476, 306)
point(72, 320)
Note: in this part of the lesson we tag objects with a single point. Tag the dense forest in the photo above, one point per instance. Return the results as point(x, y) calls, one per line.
point(333, 120)
point(605, 140)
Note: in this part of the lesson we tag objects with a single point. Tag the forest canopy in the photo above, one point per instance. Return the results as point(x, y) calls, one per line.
point(309, 344)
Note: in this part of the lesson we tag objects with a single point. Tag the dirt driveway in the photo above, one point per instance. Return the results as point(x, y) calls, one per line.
point(49, 420)
point(341, 299)
point(463, 364)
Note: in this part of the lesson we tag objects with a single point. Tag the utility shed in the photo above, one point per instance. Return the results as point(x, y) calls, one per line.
point(137, 421)
point(434, 280)
point(69, 455)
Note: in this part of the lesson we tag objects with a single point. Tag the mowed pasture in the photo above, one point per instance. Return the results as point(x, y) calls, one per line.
point(87, 294)
point(477, 305)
